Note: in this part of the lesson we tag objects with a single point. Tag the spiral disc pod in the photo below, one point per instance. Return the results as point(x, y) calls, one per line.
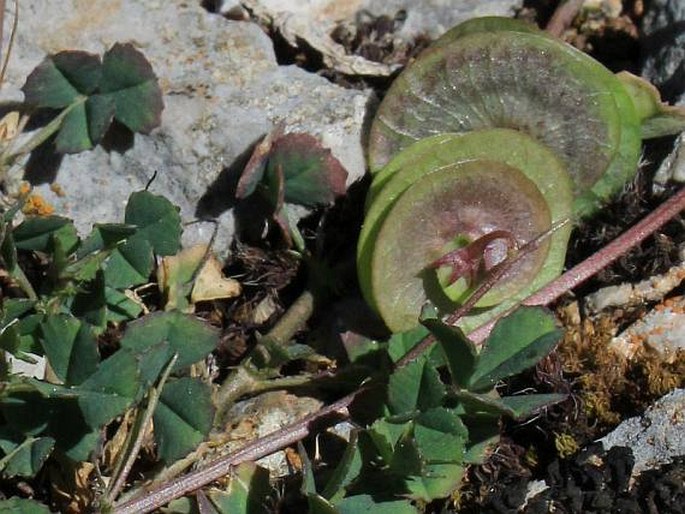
point(494, 73)
point(460, 185)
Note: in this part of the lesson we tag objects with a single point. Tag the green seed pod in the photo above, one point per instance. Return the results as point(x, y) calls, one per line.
point(496, 129)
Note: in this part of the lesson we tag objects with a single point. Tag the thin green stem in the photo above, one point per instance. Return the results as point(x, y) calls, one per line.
point(41, 136)
point(135, 437)
point(22, 280)
point(293, 320)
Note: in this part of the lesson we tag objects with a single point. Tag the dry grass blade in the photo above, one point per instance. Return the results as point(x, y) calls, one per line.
point(10, 44)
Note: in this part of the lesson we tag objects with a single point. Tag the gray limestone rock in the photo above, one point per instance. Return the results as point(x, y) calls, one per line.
point(664, 65)
point(223, 90)
point(433, 17)
point(310, 23)
point(657, 436)
point(664, 46)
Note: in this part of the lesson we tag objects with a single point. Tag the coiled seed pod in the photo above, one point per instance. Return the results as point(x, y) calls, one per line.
point(493, 135)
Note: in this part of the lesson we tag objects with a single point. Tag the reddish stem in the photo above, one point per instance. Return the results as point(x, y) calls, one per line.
point(467, 261)
point(563, 16)
point(156, 498)
point(493, 277)
point(599, 260)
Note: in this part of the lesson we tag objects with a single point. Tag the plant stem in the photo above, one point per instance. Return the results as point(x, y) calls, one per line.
point(563, 16)
point(493, 277)
point(13, 32)
point(150, 500)
point(136, 436)
point(39, 138)
point(22, 280)
point(293, 320)
point(599, 260)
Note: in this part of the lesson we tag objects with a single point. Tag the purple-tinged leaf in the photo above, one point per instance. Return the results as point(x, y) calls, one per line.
point(128, 77)
point(312, 175)
point(254, 169)
point(61, 78)
point(122, 87)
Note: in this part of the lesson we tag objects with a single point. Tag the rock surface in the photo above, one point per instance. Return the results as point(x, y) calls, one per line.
point(664, 47)
point(223, 90)
point(309, 24)
point(657, 436)
point(664, 65)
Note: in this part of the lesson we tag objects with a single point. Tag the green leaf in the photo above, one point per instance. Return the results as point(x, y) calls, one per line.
point(482, 404)
point(516, 343)
point(104, 236)
point(308, 487)
point(109, 391)
point(130, 264)
point(183, 417)
point(73, 134)
point(401, 342)
point(10, 339)
point(26, 458)
point(187, 335)
point(60, 79)
point(71, 348)
point(438, 481)
point(11, 325)
point(416, 386)
point(158, 231)
point(441, 436)
point(525, 405)
point(406, 458)
point(318, 505)
point(89, 304)
point(13, 308)
point(386, 435)
point(157, 221)
point(248, 491)
point(345, 472)
point(36, 233)
point(129, 80)
point(484, 433)
point(461, 353)
point(122, 87)
point(120, 307)
point(52, 411)
point(21, 506)
point(365, 503)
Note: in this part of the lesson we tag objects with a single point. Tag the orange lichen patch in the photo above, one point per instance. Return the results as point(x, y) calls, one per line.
point(24, 188)
point(36, 205)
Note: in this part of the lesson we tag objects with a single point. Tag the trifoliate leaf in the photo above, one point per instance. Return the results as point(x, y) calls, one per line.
point(187, 335)
point(516, 343)
point(183, 417)
point(26, 458)
point(70, 346)
point(122, 87)
point(416, 386)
